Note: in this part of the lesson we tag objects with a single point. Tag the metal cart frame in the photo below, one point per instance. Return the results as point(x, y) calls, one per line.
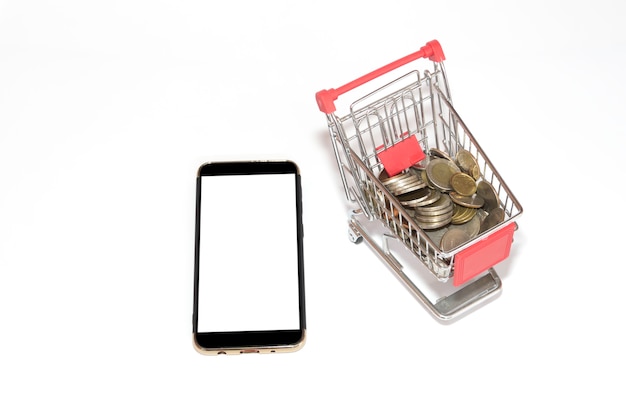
point(388, 123)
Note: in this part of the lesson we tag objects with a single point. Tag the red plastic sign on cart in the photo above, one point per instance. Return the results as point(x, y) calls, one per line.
point(401, 155)
point(483, 255)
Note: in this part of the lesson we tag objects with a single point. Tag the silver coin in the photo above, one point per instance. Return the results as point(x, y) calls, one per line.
point(485, 190)
point(401, 179)
point(407, 187)
point(444, 209)
point(425, 179)
point(454, 238)
point(443, 203)
point(434, 196)
point(383, 176)
point(439, 172)
point(433, 225)
point(421, 165)
point(436, 153)
point(482, 214)
point(433, 218)
point(495, 217)
point(472, 227)
point(433, 221)
point(410, 198)
point(435, 235)
point(390, 180)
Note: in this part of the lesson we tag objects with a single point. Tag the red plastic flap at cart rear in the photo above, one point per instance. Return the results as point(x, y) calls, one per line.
point(401, 155)
point(483, 255)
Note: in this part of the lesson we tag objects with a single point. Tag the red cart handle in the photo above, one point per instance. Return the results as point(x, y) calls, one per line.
point(326, 97)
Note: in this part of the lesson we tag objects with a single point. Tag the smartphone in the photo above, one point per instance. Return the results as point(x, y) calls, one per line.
point(249, 265)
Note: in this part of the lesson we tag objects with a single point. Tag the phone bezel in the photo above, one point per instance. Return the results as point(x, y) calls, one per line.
point(237, 342)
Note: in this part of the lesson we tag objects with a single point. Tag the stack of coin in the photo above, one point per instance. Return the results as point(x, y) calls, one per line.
point(410, 188)
point(462, 214)
point(402, 183)
point(447, 197)
point(420, 197)
point(435, 215)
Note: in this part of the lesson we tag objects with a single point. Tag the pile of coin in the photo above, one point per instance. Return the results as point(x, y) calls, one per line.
point(447, 197)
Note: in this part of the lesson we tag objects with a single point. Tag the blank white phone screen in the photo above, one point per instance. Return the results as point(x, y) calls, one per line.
point(248, 262)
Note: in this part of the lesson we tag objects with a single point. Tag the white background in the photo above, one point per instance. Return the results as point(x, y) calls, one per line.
point(108, 108)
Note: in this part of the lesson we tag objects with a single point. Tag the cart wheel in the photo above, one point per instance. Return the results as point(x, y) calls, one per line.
point(354, 235)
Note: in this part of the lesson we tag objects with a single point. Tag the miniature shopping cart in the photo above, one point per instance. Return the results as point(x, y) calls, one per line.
point(394, 126)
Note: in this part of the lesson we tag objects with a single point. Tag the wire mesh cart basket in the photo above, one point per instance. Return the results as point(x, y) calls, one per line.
point(422, 189)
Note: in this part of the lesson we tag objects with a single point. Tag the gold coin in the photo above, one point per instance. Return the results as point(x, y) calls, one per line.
point(473, 201)
point(467, 162)
point(462, 214)
point(463, 184)
point(475, 172)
